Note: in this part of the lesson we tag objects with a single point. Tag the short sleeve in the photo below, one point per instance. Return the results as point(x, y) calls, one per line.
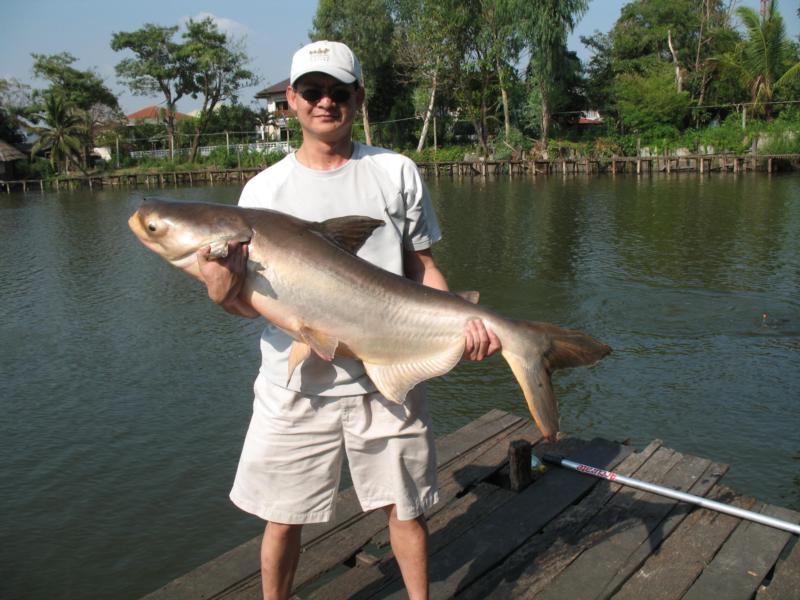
point(422, 227)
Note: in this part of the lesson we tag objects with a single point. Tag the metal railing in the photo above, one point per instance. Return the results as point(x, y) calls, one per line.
point(206, 150)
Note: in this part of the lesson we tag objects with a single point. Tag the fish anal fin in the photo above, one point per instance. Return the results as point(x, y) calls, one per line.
point(470, 296)
point(395, 380)
point(534, 380)
point(349, 232)
point(297, 354)
point(322, 344)
point(533, 351)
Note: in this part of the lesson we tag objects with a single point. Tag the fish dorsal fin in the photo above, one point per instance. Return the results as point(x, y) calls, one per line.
point(349, 232)
point(298, 353)
point(470, 296)
point(322, 344)
point(395, 380)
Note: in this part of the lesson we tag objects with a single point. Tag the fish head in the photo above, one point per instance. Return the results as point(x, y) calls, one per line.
point(177, 230)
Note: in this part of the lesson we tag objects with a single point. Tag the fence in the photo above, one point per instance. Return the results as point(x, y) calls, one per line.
point(206, 150)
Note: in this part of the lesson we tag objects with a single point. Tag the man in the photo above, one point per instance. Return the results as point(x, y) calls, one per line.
point(291, 460)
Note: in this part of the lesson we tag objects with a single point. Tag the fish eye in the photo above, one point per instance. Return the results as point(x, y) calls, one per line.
point(152, 226)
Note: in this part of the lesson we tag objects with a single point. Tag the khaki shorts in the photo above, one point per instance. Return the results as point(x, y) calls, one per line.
point(291, 461)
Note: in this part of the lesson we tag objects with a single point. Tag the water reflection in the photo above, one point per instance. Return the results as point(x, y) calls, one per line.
point(124, 394)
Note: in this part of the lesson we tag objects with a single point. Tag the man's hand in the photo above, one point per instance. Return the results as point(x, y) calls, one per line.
point(223, 277)
point(480, 342)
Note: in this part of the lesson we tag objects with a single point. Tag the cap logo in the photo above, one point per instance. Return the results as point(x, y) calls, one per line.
point(320, 55)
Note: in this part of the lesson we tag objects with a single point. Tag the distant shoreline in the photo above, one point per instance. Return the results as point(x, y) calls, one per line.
point(619, 165)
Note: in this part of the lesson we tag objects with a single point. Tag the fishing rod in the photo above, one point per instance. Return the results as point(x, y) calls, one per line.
point(674, 494)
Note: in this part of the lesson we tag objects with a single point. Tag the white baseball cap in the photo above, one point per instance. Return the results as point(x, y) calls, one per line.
point(332, 58)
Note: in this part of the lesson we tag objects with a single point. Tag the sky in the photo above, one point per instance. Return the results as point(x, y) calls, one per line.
point(271, 31)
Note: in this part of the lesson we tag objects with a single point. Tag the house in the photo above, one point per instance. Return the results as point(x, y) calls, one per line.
point(278, 107)
point(152, 115)
point(8, 154)
point(590, 117)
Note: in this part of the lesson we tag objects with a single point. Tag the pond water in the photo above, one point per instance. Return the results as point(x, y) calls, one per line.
point(125, 394)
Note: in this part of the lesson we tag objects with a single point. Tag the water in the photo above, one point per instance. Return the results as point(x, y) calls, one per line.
point(125, 394)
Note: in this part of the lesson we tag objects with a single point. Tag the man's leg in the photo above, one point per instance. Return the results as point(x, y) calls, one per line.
point(410, 546)
point(280, 553)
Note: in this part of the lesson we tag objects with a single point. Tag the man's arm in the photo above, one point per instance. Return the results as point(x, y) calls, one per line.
point(420, 267)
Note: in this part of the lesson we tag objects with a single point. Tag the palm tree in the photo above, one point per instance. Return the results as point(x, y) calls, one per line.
point(62, 132)
point(763, 57)
point(545, 24)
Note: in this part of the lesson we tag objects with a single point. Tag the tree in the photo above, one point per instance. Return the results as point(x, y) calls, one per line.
point(599, 71)
point(764, 56)
point(159, 67)
point(367, 27)
point(15, 105)
point(217, 68)
point(687, 34)
point(63, 132)
point(429, 44)
point(82, 89)
point(544, 25)
point(504, 43)
point(650, 101)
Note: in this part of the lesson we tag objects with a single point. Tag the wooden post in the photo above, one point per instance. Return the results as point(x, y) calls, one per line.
point(519, 465)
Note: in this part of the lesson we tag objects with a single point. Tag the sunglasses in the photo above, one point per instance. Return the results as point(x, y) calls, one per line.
point(313, 95)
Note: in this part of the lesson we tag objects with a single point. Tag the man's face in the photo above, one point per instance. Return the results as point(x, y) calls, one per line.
point(324, 105)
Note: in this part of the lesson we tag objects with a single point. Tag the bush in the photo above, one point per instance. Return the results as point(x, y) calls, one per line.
point(447, 154)
point(39, 168)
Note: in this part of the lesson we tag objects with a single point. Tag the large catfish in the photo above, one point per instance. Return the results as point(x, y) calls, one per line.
point(305, 278)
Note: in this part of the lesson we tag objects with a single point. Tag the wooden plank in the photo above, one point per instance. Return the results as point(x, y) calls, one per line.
point(520, 570)
point(451, 446)
point(491, 540)
point(744, 561)
point(572, 541)
point(623, 533)
point(459, 515)
point(667, 526)
point(478, 451)
point(460, 474)
point(668, 573)
point(482, 462)
point(238, 570)
point(785, 582)
point(213, 577)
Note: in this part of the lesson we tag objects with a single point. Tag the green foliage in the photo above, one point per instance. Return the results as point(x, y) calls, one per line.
point(83, 89)
point(511, 146)
point(62, 134)
point(38, 168)
point(650, 102)
point(446, 154)
point(764, 56)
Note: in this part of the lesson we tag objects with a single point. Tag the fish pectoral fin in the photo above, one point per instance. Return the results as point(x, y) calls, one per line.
point(470, 296)
point(297, 354)
point(322, 344)
point(349, 232)
point(395, 380)
point(219, 248)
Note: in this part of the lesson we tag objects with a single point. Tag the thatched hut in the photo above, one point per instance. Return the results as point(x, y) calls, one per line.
point(8, 154)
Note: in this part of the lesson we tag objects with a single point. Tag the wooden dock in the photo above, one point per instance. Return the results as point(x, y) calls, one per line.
point(146, 179)
point(567, 535)
point(695, 163)
point(700, 163)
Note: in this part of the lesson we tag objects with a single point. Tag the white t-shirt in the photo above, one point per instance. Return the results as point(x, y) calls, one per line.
point(375, 183)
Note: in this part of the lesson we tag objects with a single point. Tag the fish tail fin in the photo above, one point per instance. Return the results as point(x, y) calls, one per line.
point(533, 351)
